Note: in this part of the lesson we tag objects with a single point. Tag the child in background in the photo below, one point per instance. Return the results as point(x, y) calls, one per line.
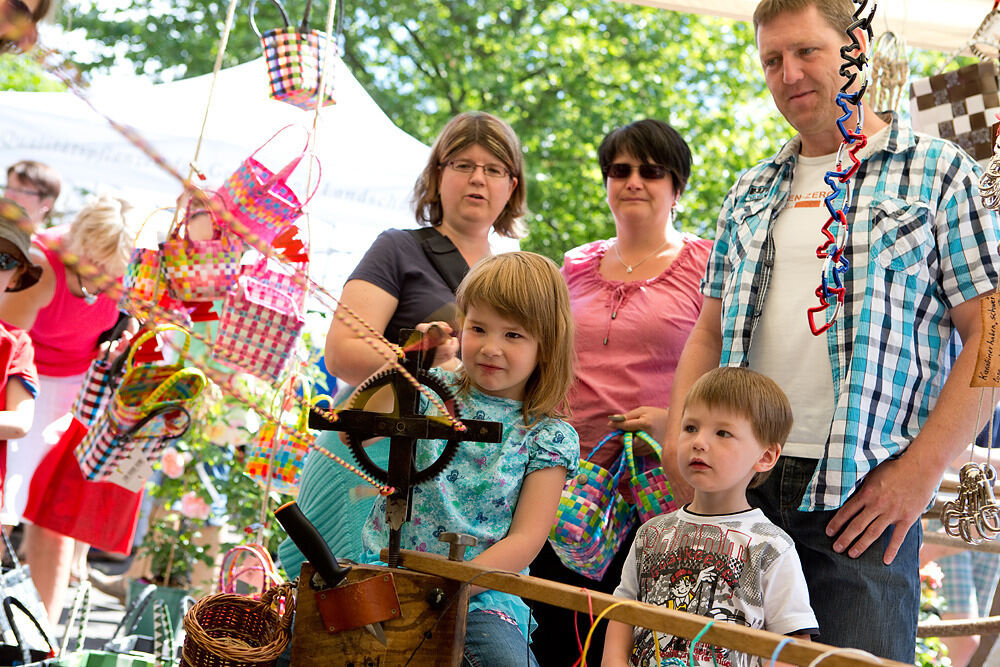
point(517, 354)
point(17, 357)
point(716, 556)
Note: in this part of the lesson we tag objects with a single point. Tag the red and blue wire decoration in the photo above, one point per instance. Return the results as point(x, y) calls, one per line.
point(831, 289)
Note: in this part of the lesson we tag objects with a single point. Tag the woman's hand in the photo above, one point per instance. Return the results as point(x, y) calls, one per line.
point(437, 335)
point(644, 418)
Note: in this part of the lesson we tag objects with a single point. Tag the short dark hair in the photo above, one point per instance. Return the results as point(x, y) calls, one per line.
point(472, 128)
point(648, 140)
point(38, 175)
point(839, 14)
point(756, 397)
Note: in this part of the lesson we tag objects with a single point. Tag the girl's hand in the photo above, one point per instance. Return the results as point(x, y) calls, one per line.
point(644, 418)
point(437, 335)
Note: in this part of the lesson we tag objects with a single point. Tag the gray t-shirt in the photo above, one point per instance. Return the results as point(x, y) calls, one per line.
point(396, 263)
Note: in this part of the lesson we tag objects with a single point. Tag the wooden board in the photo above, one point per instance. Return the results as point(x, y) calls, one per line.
point(729, 635)
point(405, 637)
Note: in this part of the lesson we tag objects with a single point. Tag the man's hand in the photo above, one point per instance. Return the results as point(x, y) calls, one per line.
point(894, 494)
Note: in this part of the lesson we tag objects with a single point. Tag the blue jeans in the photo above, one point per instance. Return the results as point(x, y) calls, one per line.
point(491, 641)
point(859, 602)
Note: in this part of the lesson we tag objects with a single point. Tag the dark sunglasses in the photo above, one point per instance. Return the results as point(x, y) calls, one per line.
point(650, 172)
point(9, 262)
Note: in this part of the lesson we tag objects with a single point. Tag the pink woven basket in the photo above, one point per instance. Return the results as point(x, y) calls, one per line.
point(200, 270)
point(261, 200)
point(650, 489)
point(258, 330)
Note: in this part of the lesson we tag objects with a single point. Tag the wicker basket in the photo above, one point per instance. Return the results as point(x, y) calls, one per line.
point(226, 630)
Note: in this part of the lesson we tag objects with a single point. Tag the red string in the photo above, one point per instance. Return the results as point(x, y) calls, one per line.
point(996, 3)
point(590, 609)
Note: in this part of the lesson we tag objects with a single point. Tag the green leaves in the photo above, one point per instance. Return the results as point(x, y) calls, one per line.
point(563, 74)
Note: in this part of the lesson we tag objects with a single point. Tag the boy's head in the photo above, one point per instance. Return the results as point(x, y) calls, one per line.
point(745, 395)
point(17, 271)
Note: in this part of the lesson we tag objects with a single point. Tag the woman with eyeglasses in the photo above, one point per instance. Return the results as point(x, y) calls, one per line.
point(472, 183)
point(65, 314)
point(18, 20)
point(635, 299)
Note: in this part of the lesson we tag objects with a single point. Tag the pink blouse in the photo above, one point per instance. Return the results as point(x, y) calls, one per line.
point(629, 336)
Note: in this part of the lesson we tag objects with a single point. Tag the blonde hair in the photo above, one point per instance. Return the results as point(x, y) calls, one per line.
point(99, 233)
point(472, 128)
point(751, 395)
point(527, 288)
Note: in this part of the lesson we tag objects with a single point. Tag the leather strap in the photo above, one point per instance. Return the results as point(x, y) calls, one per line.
point(442, 254)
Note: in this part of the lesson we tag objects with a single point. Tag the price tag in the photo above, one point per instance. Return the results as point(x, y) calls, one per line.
point(987, 373)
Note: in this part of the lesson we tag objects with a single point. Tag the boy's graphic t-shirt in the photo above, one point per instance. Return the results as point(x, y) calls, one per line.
point(737, 568)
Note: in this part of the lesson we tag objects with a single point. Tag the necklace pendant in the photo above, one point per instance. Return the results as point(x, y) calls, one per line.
point(628, 269)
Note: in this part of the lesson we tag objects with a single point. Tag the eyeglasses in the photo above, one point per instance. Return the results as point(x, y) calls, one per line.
point(650, 172)
point(22, 191)
point(468, 166)
point(9, 262)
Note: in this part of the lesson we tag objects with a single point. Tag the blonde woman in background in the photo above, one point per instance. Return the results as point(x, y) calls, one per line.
point(65, 314)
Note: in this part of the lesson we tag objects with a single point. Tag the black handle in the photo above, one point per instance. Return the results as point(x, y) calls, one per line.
point(310, 543)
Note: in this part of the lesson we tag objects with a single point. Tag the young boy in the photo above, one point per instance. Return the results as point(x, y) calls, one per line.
point(716, 556)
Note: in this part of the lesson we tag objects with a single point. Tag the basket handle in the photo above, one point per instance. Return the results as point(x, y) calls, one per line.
point(148, 335)
point(217, 225)
point(245, 282)
point(630, 454)
point(285, 171)
point(276, 3)
point(603, 441)
point(9, 613)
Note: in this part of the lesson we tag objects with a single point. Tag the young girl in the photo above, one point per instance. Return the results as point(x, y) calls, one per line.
point(517, 354)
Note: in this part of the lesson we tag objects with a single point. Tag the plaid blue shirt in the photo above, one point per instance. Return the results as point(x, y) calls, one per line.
point(921, 244)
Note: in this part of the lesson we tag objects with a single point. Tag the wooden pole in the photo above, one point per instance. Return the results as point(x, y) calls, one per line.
point(682, 624)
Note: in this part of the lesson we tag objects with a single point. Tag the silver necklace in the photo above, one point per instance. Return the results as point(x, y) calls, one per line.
point(630, 267)
point(88, 298)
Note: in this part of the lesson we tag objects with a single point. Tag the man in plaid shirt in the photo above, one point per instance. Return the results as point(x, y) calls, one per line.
point(881, 402)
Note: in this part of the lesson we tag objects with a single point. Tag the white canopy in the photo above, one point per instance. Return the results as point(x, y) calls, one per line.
point(368, 164)
point(926, 24)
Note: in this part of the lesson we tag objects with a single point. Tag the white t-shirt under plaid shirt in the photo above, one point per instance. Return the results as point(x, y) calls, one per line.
point(921, 243)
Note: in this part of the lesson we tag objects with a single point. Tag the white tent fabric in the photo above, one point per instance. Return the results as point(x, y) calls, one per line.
point(368, 164)
point(925, 24)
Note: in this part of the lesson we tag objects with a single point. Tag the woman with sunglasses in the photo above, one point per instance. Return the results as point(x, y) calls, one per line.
point(65, 314)
point(635, 299)
point(473, 183)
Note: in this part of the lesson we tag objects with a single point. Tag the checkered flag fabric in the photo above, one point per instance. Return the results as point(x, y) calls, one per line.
point(294, 60)
point(961, 106)
point(258, 330)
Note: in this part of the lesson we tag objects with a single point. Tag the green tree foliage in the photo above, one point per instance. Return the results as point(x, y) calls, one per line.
point(562, 73)
point(24, 74)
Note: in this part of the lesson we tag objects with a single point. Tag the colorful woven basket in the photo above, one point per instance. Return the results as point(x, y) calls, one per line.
point(99, 384)
point(261, 200)
point(293, 284)
point(650, 489)
point(592, 519)
point(295, 59)
point(283, 451)
point(226, 630)
point(148, 408)
point(200, 270)
point(258, 330)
